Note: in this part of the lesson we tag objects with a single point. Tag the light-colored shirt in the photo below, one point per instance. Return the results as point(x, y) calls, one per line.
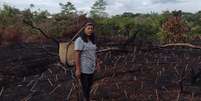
point(87, 55)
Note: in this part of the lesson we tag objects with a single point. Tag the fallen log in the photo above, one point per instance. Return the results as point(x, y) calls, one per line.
point(181, 44)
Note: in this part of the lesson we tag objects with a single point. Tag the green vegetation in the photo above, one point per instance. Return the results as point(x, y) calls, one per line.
point(168, 27)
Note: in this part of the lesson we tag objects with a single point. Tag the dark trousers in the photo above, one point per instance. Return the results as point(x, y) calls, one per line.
point(86, 81)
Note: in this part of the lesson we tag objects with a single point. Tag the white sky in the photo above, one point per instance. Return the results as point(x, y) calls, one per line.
point(113, 6)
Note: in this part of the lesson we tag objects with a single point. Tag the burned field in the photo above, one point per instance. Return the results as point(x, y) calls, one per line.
point(155, 74)
point(31, 72)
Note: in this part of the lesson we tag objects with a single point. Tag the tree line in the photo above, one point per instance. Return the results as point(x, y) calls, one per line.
point(165, 27)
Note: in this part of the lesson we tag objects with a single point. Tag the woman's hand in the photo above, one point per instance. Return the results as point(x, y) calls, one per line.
point(77, 74)
point(98, 65)
point(77, 67)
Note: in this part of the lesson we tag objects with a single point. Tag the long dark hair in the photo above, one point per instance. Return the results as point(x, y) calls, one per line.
point(82, 34)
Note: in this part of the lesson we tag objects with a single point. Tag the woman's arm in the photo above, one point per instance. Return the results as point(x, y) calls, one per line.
point(77, 64)
point(98, 62)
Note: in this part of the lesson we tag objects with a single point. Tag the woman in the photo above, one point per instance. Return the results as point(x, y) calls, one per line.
point(85, 47)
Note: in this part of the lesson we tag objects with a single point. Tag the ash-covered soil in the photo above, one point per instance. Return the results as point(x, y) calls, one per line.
point(31, 72)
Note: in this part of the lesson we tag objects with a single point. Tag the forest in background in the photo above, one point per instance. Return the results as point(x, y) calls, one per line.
point(165, 27)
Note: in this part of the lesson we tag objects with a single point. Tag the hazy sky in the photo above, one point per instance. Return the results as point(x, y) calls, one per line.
point(113, 6)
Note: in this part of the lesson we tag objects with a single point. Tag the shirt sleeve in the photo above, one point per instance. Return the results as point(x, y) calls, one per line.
point(78, 44)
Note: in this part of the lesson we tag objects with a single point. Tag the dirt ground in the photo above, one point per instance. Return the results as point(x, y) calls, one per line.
point(144, 73)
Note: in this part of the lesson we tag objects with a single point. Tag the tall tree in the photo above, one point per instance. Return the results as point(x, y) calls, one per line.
point(67, 8)
point(98, 9)
point(32, 5)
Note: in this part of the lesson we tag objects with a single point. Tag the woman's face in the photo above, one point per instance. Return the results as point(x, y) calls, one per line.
point(89, 30)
